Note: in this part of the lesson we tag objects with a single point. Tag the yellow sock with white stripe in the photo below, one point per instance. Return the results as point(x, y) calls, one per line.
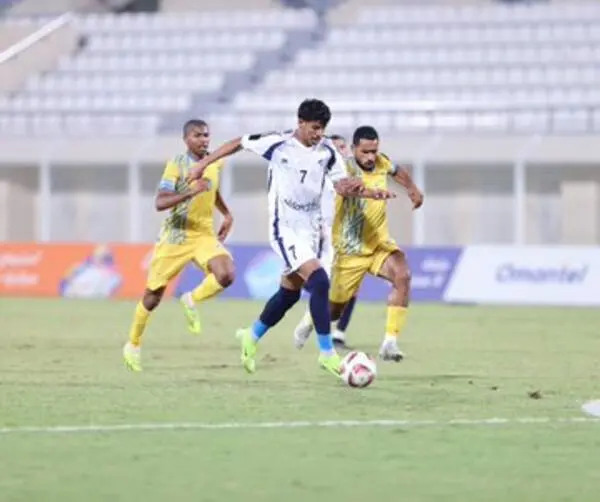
point(396, 320)
point(138, 325)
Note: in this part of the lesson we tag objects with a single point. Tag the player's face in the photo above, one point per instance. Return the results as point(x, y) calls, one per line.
point(366, 152)
point(310, 132)
point(197, 140)
point(342, 147)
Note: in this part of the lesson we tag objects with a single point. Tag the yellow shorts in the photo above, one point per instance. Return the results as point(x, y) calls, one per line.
point(349, 271)
point(169, 260)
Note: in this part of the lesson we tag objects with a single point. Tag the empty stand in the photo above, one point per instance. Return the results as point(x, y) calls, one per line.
point(449, 68)
point(496, 68)
point(135, 69)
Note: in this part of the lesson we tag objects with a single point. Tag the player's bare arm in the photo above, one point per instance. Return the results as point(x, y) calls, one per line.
point(404, 179)
point(227, 217)
point(225, 150)
point(166, 200)
point(354, 187)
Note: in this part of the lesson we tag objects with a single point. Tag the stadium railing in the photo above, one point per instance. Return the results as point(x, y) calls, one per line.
point(30, 55)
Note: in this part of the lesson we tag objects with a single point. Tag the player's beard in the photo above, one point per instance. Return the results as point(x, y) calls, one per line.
point(200, 153)
point(364, 167)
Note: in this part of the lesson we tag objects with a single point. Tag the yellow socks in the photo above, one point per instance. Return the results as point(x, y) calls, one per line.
point(396, 319)
point(138, 325)
point(208, 288)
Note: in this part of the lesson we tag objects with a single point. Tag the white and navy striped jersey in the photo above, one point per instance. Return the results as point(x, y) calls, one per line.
point(296, 178)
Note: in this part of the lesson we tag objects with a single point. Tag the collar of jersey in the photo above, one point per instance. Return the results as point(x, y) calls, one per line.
point(192, 156)
point(304, 146)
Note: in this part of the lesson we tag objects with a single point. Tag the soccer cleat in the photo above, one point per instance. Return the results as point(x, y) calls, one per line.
point(133, 357)
point(331, 363)
point(339, 340)
point(248, 349)
point(302, 334)
point(389, 351)
point(191, 315)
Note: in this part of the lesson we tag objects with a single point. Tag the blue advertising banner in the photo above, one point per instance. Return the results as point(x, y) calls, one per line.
point(258, 271)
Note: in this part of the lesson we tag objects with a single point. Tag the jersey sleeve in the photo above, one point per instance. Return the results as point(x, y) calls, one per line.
point(168, 181)
point(390, 167)
point(336, 167)
point(262, 144)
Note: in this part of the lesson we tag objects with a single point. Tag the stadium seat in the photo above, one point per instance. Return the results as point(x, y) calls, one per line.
point(527, 68)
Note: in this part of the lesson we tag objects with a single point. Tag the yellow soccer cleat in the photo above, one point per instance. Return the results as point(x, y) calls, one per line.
point(133, 357)
point(248, 349)
point(331, 363)
point(191, 315)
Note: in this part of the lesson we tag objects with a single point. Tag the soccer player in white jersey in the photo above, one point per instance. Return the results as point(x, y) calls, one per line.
point(305, 326)
point(299, 163)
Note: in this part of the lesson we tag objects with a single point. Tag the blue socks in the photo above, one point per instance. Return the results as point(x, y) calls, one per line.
point(259, 328)
point(318, 287)
point(344, 320)
point(282, 301)
point(274, 311)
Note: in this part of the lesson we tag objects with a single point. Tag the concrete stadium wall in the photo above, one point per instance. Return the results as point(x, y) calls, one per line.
point(469, 187)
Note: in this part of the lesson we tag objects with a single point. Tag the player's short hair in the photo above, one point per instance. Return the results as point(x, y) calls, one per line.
point(193, 123)
point(314, 110)
point(337, 137)
point(364, 132)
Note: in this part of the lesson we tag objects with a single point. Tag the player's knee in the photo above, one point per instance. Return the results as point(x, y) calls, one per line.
point(152, 299)
point(225, 277)
point(318, 282)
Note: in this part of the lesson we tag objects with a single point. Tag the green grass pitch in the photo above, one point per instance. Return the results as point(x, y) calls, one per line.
point(60, 365)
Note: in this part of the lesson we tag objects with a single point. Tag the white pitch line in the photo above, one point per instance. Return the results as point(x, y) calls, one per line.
point(331, 424)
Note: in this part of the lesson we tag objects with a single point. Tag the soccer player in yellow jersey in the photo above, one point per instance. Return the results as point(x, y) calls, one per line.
point(187, 235)
point(362, 241)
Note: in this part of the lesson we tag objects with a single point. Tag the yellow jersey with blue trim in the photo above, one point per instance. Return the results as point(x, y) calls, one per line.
point(192, 218)
point(360, 226)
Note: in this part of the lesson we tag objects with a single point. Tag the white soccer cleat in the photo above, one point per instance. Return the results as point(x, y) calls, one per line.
point(339, 340)
point(302, 334)
point(389, 351)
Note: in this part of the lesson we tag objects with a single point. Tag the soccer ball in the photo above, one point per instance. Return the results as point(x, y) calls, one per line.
point(358, 369)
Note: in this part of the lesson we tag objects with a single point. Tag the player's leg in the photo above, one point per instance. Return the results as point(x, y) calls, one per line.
point(316, 282)
point(132, 349)
point(168, 260)
point(305, 327)
point(395, 269)
point(339, 335)
point(217, 264)
point(274, 310)
point(303, 268)
point(347, 275)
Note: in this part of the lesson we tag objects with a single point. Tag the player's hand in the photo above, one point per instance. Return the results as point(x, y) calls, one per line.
point(382, 194)
point(200, 185)
point(416, 197)
point(198, 170)
point(349, 187)
point(225, 227)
